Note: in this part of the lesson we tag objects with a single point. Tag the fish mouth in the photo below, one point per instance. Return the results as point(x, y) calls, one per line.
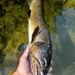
point(36, 66)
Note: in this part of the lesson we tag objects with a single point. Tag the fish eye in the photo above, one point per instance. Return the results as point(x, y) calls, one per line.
point(44, 62)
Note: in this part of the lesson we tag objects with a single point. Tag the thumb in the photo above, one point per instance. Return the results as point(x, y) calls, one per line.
point(26, 52)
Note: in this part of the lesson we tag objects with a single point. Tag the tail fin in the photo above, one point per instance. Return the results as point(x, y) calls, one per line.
point(29, 2)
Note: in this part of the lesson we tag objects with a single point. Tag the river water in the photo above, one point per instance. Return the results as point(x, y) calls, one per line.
point(64, 44)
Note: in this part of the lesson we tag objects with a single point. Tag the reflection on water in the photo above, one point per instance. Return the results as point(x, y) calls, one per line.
point(64, 44)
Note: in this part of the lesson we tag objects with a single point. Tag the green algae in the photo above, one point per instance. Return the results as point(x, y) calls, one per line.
point(52, 8)
point(69, 4)
point(13, 30)
point(13, 26)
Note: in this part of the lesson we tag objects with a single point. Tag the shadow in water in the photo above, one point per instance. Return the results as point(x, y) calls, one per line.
point(64, 53)
point(3, 43)
point(3, 73)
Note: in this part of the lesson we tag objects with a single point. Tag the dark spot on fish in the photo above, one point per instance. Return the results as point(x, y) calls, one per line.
point(29, 12)
point(35, 33)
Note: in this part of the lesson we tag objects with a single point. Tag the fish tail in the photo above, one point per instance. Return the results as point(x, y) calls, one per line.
point(29, 2)
point(34, 3)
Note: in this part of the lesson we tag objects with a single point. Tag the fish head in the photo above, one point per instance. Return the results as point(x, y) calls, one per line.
point(40, 58)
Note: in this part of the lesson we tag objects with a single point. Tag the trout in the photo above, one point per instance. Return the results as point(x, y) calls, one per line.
point(39, 39)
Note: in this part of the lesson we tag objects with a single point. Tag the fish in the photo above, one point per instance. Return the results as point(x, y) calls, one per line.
point(39, 39)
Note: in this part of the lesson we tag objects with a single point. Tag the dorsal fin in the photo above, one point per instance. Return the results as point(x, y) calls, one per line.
point(35, 33)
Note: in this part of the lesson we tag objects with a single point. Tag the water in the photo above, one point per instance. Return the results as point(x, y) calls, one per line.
point(63, 39)
point(64, 44)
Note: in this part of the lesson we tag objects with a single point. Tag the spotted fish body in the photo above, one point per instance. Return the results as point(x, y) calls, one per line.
point(39, 39)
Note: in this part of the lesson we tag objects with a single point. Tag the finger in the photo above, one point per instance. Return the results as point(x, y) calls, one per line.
point(50, 69)
point(26, 52)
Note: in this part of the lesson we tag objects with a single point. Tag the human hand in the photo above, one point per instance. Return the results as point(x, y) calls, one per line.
point(50, 68)
point(24, 64)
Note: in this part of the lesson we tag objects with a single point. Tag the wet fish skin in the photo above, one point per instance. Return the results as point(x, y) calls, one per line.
point(39, 39)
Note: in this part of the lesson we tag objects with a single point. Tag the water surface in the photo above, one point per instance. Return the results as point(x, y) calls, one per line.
point(64, 43)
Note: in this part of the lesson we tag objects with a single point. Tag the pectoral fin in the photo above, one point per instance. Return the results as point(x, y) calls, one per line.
point(35, 33)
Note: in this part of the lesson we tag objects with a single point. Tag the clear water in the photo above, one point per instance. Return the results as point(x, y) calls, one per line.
point(64, 44)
